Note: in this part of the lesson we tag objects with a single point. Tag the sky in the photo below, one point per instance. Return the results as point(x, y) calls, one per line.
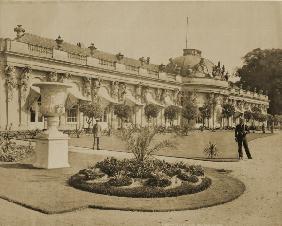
point(223, 31)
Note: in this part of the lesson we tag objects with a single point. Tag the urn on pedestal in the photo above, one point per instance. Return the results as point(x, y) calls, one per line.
point(52, 145)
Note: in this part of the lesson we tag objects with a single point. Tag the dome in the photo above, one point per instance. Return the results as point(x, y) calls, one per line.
point(191, 63)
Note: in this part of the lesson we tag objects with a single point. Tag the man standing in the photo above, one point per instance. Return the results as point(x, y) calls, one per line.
point(240, 137)
point(97, 133)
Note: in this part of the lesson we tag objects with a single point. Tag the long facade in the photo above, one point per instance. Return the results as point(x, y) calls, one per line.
point(29, 58)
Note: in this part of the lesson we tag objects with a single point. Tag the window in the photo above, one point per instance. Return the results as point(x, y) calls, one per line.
point(72, 114)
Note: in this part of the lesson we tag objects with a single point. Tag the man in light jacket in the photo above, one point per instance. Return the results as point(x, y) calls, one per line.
point(97, 133)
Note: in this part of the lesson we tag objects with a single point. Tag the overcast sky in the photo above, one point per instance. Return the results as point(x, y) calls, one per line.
point(221, 30)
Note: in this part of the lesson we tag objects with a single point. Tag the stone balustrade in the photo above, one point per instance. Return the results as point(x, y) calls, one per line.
point(39, 51)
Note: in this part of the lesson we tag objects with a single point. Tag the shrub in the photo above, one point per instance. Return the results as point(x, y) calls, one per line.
point(122, 111)
point(139, 142)
point(188, 177)
point(110, 166)
point(211, 150)
point(171, 112)
point(139, 192)
point(151, 111)
point(189, 111)
point(91, 173)
point(158, 179)
point(120, 179)
point(10, 151)
point(91, 110)
point(196, 170)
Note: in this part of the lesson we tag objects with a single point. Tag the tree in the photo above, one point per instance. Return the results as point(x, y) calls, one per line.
point(206, 112)
point(91, 110)
point(122, 111)
point(262, 117)
point(151, 111)
point(248, 115)
point(262, 69)
point(256, 113)
point(189, 111)
point(171, 112)
point(228, 110)
point(139, 142)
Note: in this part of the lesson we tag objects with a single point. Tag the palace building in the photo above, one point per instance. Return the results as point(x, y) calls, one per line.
point(29, 58)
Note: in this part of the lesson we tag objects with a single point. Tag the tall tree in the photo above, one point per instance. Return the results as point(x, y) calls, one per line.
point(206, 112)
point(123, 112)
point(228, 110)
point(171, 113)
point(92, 110)
point(262, 69)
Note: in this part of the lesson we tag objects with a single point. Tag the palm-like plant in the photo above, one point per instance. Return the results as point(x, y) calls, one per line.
point(211, 150)
point(139, 142)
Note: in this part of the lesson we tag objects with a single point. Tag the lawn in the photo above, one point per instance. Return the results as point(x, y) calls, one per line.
point(48, 191)
point(190, 146)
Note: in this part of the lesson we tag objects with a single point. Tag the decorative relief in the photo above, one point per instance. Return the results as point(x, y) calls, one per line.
point(159, 94)
point(122, 91)
point(114, 89)
point(87, 86)
point(23, 81)
point(11, 81)
point(201, 67)
point(52, 76)
point(96, 84)
point(62, 77)
point(176, 93)
point(144, 92)
point(138, 91)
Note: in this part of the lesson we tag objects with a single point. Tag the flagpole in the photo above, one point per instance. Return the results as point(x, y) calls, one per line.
point(187, 33)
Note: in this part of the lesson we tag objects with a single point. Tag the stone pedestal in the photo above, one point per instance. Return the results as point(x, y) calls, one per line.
point(52, 147)
point(51, 153)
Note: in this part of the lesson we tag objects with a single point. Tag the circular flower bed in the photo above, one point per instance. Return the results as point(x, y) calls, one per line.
point(148, 179)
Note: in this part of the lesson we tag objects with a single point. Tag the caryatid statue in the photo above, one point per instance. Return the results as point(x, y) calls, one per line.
point(176, 98)
point(96, 84)
point(24, 79)
point(159, 92)
point(87, 86)
point(122, 91)
point(115, 85)
point(139, 91)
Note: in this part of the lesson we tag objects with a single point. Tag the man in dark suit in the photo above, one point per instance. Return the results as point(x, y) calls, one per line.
point(240, 137)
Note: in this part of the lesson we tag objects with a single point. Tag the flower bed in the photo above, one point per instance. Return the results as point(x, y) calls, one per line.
point(149, 179)
point(10, 151)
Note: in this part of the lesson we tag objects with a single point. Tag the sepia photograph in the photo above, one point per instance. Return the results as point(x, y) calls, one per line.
point(140, 113)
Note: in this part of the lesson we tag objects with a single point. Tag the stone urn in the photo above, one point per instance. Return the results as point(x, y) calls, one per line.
point(52, 146)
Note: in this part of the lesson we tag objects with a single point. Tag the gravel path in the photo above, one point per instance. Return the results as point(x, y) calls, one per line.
point(259, 205)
